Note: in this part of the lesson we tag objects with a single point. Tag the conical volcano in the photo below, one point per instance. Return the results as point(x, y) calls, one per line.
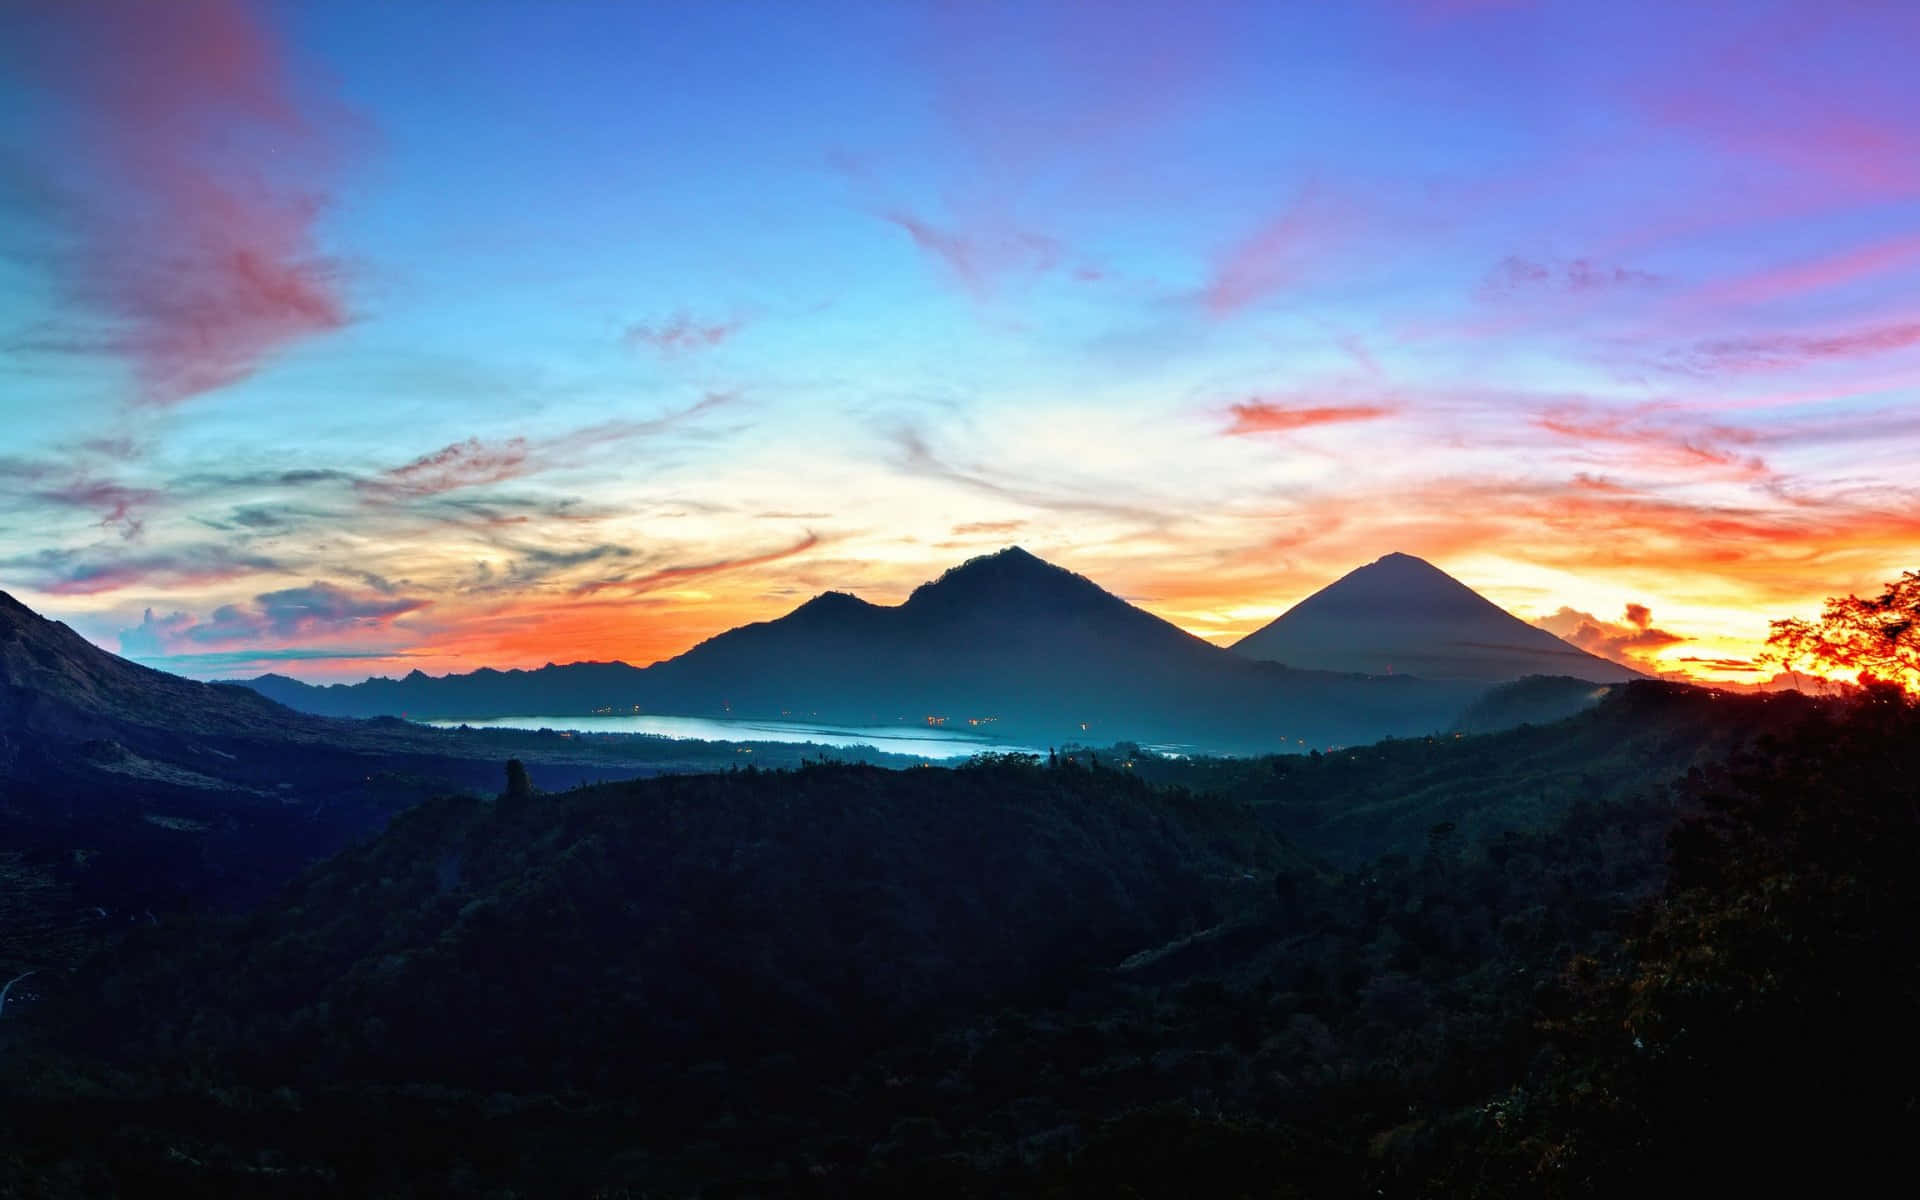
point(1403, 615)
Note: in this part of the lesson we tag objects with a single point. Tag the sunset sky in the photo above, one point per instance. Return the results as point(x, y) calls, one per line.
point(351, 338)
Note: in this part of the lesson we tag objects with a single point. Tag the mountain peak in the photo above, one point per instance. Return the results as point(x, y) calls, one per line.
point(1400, 558)
point(829, 609)
point(1400, 584)
point(1007, 581)
point(1401, 614)
point(828, 602)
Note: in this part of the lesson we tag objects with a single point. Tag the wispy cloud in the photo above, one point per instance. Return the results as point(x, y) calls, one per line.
point(1788, 351)
point(1815, 275)
point(88, 573)
point(1653, 438)
point(917, 458)
point(681, 333)
point(119, 506)
point(460, 465)
point(475, 462)
point(1277, 255)
point(1516, 276)
point(979, 260)
point(677, 573)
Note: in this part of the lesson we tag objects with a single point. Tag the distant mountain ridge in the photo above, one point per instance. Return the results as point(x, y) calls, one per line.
point(147, 789)
point(1403, 615)
point(1031, 650)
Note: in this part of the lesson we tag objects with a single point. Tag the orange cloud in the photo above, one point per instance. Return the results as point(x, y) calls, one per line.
point(1630, 644)
point(1262, 416)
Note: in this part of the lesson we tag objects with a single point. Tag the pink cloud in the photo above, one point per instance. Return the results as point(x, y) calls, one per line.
point(462, 464)
point(1786, 351)
point(196, 247)
point(1649, 442)
point(1817, 275)
point(978, 259)
point(1275, 256)
point(681, 334)
point(118, 504)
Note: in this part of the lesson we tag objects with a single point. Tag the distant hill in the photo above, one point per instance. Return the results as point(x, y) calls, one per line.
point(126, 787)
point(1032, 651)
point(1402, 615)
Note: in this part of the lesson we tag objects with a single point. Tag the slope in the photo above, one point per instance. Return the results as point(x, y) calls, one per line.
point(1403, 615)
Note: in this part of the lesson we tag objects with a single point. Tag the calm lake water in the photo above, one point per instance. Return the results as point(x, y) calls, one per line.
point(894, 739)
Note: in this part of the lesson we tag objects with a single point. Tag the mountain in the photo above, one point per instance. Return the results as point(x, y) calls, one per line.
point(1402, 615)
point(126, 788)
point(1005, 643)
point(53, 681)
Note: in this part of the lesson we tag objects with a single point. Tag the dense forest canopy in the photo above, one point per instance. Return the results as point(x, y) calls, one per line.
point(1553, 960)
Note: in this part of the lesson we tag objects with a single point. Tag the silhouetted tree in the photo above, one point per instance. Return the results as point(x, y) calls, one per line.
point(519, 786)
point(1878, 637)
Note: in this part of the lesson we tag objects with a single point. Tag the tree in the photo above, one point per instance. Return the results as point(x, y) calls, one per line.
point(519, 786)
point(1877, 637)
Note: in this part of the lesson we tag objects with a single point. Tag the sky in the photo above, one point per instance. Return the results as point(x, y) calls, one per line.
point(360, 338)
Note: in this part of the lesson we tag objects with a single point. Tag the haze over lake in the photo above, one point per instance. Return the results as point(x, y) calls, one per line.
point(920, 742)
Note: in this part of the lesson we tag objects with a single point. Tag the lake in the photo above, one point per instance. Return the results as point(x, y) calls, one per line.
point(911, 740)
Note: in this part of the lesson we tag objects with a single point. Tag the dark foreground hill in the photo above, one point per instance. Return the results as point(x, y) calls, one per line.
point(1632, 946)
point(1404, 615)
point(1046, 654)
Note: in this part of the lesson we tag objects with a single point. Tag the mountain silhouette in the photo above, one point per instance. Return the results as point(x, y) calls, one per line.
point(1403, 615)
point(51, 677)
point(1005, 644)
point(155, 790)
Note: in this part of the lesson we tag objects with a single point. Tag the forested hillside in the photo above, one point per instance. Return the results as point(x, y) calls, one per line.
point(1638, 937)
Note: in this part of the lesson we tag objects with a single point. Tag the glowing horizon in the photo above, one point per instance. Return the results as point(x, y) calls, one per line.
point(347, 340)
